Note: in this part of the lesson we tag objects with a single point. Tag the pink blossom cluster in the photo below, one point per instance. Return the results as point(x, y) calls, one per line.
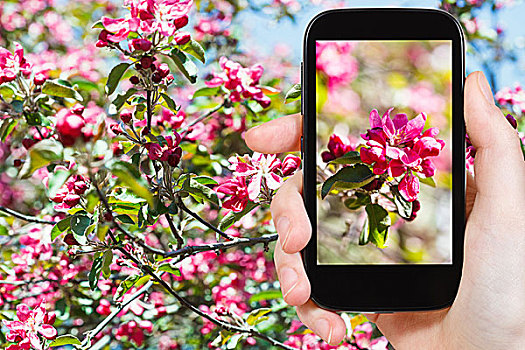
point(361, 339)
point(512, 97)
point(135, 331)
point(69, 195)
point(401, 148)
point(11, 64)
point(147, 17)
point(77, 122)
point(337, 147)
point(215, 23)
point(254, 175)
point(31, 328)
point(335, 60)
point(242, 83)
point(169, 152)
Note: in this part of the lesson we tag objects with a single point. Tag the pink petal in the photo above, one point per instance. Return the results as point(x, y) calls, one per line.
point(375, 119)
point(414, 127)
point(48, 331)
point(23, 312)
point(400, 120)
point(254, 188)
point(113, 25)
point(273, 181)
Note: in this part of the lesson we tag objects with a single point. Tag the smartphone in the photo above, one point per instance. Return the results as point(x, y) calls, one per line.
point(384, 158)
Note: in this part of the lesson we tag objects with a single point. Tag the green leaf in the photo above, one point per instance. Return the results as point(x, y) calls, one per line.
point(67, 339)
point(205, 180)
point(351, 157)
point(41, 154)
point(57, 180)
point(130, 177)
point(121, 98)
point(60, 227)
point(234, 340)
point(169, 101)
point(348, 178)
point(293, 94)
point(79, 224)
point(3, 231)
point(107, 260)
point(364, 237)
point(195, 49)
point(207, 91)
point(256, 316)
point(266, 295)
point(7, 127)
point(170, 269)
point(54, 88)
point(404, 207)
point(184, 64)
point(378, 224)
point(114, 77)
point(125, 285)
point(96, 269)
point(233, 217)
point(427, 181)
point(97, 25)
point(357, 201)
point(197, 190)
point(7, 91)
point(125, 219)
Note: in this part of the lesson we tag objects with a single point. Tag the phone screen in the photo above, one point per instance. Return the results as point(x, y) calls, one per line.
point(384, 152)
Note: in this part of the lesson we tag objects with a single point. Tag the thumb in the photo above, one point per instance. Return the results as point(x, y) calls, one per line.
point(499, 167)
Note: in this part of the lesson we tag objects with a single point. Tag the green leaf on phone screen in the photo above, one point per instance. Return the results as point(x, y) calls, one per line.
point(348, 178)
point(378, 224)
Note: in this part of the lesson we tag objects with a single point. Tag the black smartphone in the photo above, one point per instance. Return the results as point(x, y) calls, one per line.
point(384, 158)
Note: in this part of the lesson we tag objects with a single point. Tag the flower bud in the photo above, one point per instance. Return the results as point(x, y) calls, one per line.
point(141, 44)
point(72, 199)
point(69, 239)
point(50, 318)
point(182, 38)
point(169, 79)
point(138, 66)
point(181, 22)
point(416, 205)
point(78, 109)
point(146, 62)
point(103, 36)
point(101, 43)
point(117, 149)
point(512, 120)
point(290, 164)
point(69, 126)
point(17, 162)
point(39, 79)
point(126, 116)
point(163, 70)
point(145, 131)
point(174, 158)
point(115, 128)
point(108, 216)
point(374, 185)
point(156, 77)
point(134, 80)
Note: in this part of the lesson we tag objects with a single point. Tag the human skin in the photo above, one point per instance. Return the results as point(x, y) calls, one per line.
point(489, 309)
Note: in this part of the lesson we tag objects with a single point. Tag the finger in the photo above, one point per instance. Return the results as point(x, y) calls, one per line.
point(289, 215)
point(470, 193)
point(276, 136)
point(326, 324)
point(499, 166)
point(292, 277)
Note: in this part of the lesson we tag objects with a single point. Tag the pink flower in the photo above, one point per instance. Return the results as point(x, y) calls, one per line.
point(336, 61)
point(261, 170)
point(171, 119)
point(12, 64)
point(169, 152)
point(409, 187)
point(512, 97)
point(238, 191)
point(290, 164)
point(141, 44)
point(31, 325)
point(69, 126)
point(337, 147)
point(242, 83)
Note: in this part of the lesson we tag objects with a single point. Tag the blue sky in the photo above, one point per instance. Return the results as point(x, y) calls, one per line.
point(266, 33)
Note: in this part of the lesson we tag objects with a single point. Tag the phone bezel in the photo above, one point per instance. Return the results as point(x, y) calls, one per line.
point(384, 288)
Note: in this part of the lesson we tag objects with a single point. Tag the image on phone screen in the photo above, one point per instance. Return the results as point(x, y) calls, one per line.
point(384, 152)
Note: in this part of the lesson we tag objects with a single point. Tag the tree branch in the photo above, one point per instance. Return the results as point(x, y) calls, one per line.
point(181, 205)
point(175, 232)
point(26, 217)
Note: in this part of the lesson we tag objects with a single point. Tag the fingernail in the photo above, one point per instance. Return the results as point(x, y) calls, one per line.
point(288, 280)
point(282, 224)
point(485, 88)
point(323, 329)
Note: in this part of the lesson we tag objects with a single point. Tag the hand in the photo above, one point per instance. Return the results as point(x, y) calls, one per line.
point(489, 310)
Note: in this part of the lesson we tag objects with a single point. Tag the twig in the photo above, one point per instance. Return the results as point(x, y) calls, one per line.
point(187, 129)
point(181, 205)
point(176, 234)
point(237, 242)
point(224, 325)
point(26, 217)
point(93, 333)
